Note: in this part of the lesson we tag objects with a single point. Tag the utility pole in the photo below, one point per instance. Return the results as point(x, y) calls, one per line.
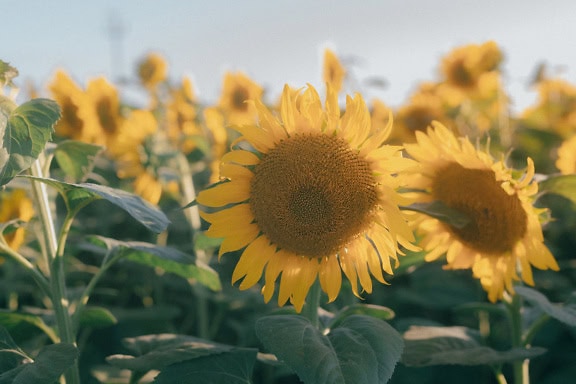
point(116, 31)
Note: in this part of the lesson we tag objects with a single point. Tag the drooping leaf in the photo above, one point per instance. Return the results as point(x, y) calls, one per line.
point(565, 314)
point(201, 241)
point(77, 196)
point(27, 131)
point(442, 212)
point(361, 349)
point(166, 258)
point(76, 158)
point(162, 350)
point(7, 73)
point(13, 320)
point(10, 354)
point(563, 185)
point(455, 345)
point(52, 361)
point(233, 367)
point(372, 310)
point(96, 317)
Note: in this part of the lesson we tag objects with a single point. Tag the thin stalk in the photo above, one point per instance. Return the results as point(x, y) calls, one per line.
point(534, 328)
point(54, 248)
point(310, 309)
point(520, 368)
point(36, 274)
point(500, 378)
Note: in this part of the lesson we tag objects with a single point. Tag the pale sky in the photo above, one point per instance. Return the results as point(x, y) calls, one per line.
point(278, 42)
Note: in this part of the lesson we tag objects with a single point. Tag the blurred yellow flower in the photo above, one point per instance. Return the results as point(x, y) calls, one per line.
point(152, 70)
point(333, 72)
point(316, 197)
point(219, 139)
point(182, 120)
point(566, 161)
point(15, 204)
point(463, 66)
point(503, 234)
point(105, 117)
point(74, 106)
point(555, 109)
point(237, 89)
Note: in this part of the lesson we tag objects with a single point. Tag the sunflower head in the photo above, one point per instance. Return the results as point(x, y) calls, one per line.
point(15, 204)
point(503, 234)
point(315, 197)
point(182, 120)
point(71, 99)
point(238, 89)
point(105, 103)
point(152, 70)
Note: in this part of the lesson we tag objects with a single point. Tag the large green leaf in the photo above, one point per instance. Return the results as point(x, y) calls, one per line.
point(455, 345)
point(226, 368)
point(76, 158)
point(97, 317)
point(166, 258)
point(27, 131)
point(10, 354)
point(52, 361)
point(565, 314)
point(360, 350)
point(564, 185)
point(162, 350)
point(77, 196)
point(442, 212)
point(22, 322)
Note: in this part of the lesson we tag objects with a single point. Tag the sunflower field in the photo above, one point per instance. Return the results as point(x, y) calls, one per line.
point(309, 237)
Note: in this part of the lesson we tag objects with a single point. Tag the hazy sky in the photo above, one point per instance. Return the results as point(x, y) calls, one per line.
point(277, 42)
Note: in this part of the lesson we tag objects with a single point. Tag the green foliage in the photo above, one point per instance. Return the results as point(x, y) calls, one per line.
point(456, 345)
point(563, 185)
point(50, 363)
point(18, 322)
point(97, 317)
point(76, 158)
point(77, 196)
point(563, 313)
point(7, 73)
point(440, 211)
point(360, 349)
point(28, 129)
point(166, 258)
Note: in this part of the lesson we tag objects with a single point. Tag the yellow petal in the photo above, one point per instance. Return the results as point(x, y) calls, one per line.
point(257, 137)
point(330, 276)
point(252, 262)
point(241, 157)
point(223, 194)
point(242, 237)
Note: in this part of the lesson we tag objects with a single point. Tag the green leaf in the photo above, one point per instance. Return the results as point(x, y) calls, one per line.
point(10, 354)
point(442, 212)
point(564, 185)
point(52, 361)
point(77, 196)
point(372, 310)
point(564, 314)
point(97, 317)
point(361, 350)
point(76, 158)
point(160, 351)
point(227, 368)
point(166, 258)
point(201, 241)
point(455, 345)
point(7, 73)
point(29, 128)
point(15, 320)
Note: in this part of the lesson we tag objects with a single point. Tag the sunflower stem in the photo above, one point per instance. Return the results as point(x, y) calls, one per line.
point(310, 309)
point(520, 367)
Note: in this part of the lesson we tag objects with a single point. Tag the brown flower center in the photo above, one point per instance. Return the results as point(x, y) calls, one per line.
point(239, 97)
point(497, 219)
point(311, 194)
point(107, 116)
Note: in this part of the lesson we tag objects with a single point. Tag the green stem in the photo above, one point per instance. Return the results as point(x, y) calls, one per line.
point(54, 252)
point(310, 309)
point(534, 328)
point(36, 274)
point(500, 378)
point(520, 368)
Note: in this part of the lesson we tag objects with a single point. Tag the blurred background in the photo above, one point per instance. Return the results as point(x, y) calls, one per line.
point(388, 45)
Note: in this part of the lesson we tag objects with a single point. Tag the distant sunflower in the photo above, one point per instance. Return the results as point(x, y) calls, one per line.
point(316, 197)
point(15, 204)
point(182, 120)
point(463, 67)
point(237, 90)
point(503, 234)
point(152, 70)
point(566, 161)
point(106, 117)
point(333, 72)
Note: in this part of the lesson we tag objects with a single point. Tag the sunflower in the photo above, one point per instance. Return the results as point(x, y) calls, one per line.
point(333, 72)
point(152, 70)
point(237, 90)
point(182, 120)
point(566, 161)
point(15, 204)
point(503, 234)
point(105, 107)
point(314, 198)
point(73, 104)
